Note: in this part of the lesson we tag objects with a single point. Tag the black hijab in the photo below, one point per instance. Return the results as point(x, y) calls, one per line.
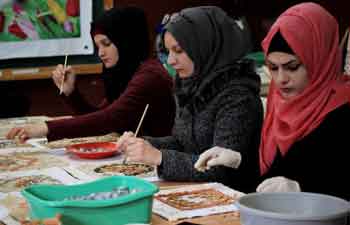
point(127, 29)
point(213, 40)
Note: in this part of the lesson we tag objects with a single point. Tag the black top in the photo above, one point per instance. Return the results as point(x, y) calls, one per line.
point(15, 102)
point(320, 161)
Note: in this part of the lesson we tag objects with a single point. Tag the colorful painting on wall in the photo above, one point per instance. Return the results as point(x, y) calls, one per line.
point(45, 28)
point(39, 19)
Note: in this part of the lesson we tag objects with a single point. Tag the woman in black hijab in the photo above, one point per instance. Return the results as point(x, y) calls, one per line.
point(126, 29)
point(131, 82)
point(217, 95)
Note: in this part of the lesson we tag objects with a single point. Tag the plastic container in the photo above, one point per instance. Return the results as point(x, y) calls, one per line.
point(109, 149)
point(297, 208)
point(48, 200)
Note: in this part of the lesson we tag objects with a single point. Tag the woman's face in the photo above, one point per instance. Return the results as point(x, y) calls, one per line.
point(107, 51)
point(177, 57)
point(288, 73)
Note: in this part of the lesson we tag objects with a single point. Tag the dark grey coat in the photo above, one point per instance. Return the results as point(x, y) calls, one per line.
point(225, 113)
point(218, 105)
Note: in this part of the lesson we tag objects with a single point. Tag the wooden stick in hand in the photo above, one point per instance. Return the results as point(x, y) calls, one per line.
point(143, 116)
point(64, 67)
point(138, 127)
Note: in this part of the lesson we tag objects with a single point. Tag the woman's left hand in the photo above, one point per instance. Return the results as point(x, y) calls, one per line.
point(28, 131)
point(138, 150)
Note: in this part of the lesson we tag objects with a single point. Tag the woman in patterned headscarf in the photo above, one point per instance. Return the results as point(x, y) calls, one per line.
point(217, 95)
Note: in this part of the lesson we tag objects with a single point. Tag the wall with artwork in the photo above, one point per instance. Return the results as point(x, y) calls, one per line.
point(26, 82)
point(41, 28)
point(43, 95)
point(260, 14)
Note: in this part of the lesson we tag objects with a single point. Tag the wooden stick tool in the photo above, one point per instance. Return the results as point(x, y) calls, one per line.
point(138, 126)
point(64, 67)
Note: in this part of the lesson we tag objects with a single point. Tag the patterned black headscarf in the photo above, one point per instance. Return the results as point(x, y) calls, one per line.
point(213, 40)
point(127, 29)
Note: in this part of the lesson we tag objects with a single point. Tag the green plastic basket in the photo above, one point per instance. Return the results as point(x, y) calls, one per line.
point(48, 200)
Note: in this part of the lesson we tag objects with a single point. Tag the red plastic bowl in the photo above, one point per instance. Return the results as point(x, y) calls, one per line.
point(107, 149)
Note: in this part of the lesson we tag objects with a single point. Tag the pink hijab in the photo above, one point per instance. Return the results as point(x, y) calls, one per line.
point(312, 33)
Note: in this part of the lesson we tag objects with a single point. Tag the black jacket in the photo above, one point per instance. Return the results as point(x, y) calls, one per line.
point(320, 162)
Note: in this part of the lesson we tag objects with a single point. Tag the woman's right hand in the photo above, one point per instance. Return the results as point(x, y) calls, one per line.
point(66, 75)
point(218, 156)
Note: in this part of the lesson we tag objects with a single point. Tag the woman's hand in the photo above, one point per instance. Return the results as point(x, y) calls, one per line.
point(65, 75)
point(28, 131)
point(218, 156)
point(138, 150)
point(123, 138)
point(278, 184)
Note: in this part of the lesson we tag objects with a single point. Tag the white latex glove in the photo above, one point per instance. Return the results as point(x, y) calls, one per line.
point(278, 184)
point(218, 156)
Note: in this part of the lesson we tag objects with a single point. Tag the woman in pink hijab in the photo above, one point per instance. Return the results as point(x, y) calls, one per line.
point(304, 143)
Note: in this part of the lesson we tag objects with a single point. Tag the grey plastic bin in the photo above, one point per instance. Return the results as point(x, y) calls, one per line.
point(294, 208)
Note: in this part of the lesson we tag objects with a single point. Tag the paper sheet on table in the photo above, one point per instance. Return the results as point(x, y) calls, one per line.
point(86, 171)
point(8, 123)
point(111, 137)
point(18, 121)
point(20, 180)
point(12, 200)
point(14, 144)
point(172, 214)
point(60, 144)
point(23, 159)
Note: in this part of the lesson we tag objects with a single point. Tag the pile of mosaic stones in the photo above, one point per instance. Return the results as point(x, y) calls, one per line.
point(115, 193)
